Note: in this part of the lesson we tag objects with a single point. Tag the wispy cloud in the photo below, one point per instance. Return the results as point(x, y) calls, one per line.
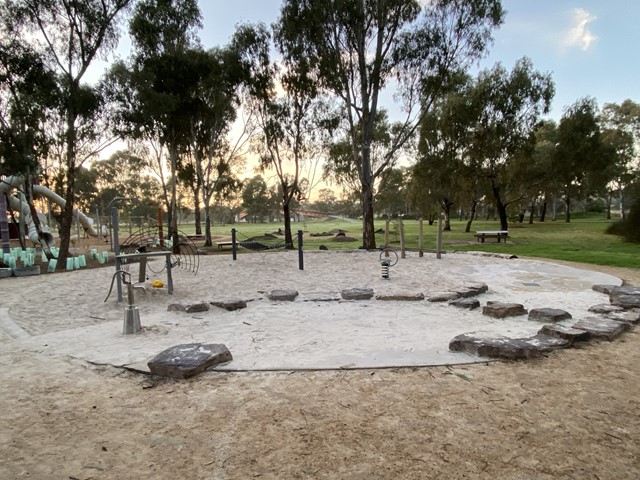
point(579, 34)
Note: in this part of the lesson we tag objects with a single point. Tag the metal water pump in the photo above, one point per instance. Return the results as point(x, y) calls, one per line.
point(131, 312)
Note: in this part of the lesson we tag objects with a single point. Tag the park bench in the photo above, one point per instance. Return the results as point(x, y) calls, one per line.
point(221, 245)
point(481, 235)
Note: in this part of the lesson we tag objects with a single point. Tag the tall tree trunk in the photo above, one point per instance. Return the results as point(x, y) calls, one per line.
point(368, 229)
point(196, 210)
point(500, 207)
point(286, 211)
point(173, 210)
point(206, 202)
point(533, 207)
point(609, 201)
point(543, 210)
point(208, 241)
point(472, 215)
point(446, 209)
point(69, 197)
point(567, 214)
point(623, 215)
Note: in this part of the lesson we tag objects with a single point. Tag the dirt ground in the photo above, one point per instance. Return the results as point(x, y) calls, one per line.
point(572, 415)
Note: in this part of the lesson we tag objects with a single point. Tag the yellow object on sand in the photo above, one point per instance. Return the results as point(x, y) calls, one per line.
point(157, 284)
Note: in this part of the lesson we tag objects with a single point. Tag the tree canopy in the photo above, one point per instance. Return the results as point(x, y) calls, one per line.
point(357, 49)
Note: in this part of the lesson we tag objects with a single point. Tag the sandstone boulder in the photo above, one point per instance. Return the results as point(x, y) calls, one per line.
point(188, 360)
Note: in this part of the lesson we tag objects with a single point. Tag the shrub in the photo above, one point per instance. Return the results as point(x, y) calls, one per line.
point(629, 229)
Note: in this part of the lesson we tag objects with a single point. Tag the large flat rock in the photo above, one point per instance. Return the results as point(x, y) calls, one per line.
point(565, 333)
point(471, 290)
point(468, 303)
point(443, 297)
point(503, 310)
point(357, 293)
point(626, 296)
point(549, 315)
point(189, 359)
point(230, 305)
point(631, 316)
point(401, 297)
point(625, 290)
point(605, 308)
point(625, 301)
point(283, 295)
point(602, 327)
point(503, 347)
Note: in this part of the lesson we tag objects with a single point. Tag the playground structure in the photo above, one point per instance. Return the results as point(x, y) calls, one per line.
point(139, 247)
point(12, 188)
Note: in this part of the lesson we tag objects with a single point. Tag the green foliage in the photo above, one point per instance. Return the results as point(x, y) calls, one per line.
point(161, 27)
point(29, 94)
point(579, 156)
point(392, 192)
point(629, 228)
point(356, 49)
point(256, 198)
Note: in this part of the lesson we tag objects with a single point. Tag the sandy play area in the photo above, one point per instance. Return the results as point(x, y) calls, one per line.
point(305, 400)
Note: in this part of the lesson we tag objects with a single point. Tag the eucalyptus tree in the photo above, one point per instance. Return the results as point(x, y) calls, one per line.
point(27, 99)
point(543, 155)
point(216, 101)
point(440, 168)
point(391, 194)
point(284, 99)
point(620, 125)
point(357, 49)
point(153, 94)
point(27, 96)
point(256, 198)
point(70, 35)
point(579, 160)
point(383, 154)
point(507, 107)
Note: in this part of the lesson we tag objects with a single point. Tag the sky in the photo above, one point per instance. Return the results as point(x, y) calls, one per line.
point(587, 45)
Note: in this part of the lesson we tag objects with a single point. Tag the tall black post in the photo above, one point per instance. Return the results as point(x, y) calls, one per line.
point(300, 254)
point(233, 243)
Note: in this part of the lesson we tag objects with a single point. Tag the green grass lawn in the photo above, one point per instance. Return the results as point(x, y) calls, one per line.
point(582, 240)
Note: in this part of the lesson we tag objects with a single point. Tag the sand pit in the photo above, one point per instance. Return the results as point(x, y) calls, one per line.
point(64, 314)
point(570, 415)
